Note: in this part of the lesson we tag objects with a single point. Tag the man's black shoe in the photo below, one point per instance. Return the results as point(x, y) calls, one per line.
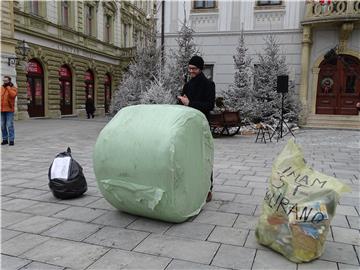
point(4, 142)
point(11, 143)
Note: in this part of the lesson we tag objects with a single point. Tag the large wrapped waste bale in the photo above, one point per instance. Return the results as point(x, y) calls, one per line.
point(298, 207)
point(155, 161)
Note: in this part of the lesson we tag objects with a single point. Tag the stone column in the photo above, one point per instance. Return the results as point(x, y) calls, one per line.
point(305, 65)
point(22, 104)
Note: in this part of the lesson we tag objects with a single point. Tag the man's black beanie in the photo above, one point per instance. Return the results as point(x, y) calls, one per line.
point(197, 61)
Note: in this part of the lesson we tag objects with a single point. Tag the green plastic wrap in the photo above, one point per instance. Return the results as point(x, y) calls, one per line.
point(298, 207)
point(155, 161)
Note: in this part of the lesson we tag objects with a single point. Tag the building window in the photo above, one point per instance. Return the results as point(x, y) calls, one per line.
point(34, 7)
point(126, 34)
point(108, 28)
point(204, 4)
point(209, 71)
point(269, 3)
point(89, 17)
point(65, 13)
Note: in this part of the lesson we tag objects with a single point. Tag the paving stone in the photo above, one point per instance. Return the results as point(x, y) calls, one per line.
point(237, 183)
point(232, 189)
point(101, 204)
point(66, 253)
point(344, 235)
point(12, 263)
point(231, 236)
point(42, 185)
point(357, 249)
point(72, 230)
point(94, 191)
point(221, 196)
point(246, 222)
point(234, 257)
point(120, 259)
point(44, 209)
point(149, 225)
point(84, 200)
point(259, 192)
point(249, 199)
point(340, 221)
point(35, 224)
point(191, 230)
point(5, 199)
point(9, 218)
point(258, 211)
point(17, 204)
point(41, 266)
point(22, 243)
point(184, 265)
point(80, 213)
point(318, 265)
point(49, 197)
point(6, 190)
point(212, 205)
point(237, 208)
point(346, 210)
point(349, 200)
point(179, 248)
point(115, 218)
point(8, 234)
point(256, 178)
point(12, 182)
point(339, 252)
point(251, 241)
point(354, 222)
point(117, 237)
point(343, 266)
point(216, 218)
point(28, 193)
point(268, 259)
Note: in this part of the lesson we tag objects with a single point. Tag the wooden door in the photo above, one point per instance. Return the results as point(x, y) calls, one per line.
point(35, 96)
point(65, 90)
point(338, 87)
point(65, 97)
point(35, 89)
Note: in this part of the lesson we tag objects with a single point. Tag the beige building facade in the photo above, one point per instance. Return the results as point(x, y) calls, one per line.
point(76, 49)
point(305, 30)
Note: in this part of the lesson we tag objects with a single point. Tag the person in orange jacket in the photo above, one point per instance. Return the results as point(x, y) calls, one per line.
point(8, 95)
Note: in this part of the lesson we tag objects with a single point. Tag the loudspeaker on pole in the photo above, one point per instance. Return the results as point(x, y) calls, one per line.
point(282, 84)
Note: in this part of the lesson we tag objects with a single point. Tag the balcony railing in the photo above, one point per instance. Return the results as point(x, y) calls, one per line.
point(331, 11)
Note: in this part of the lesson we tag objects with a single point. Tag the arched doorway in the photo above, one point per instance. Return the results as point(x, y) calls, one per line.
point(35, 89)
point(338, 88)
point(107, 94)
point(65, 81)
point(89, 83)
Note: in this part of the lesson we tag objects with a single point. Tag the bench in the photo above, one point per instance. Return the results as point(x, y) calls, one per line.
point(226, 123)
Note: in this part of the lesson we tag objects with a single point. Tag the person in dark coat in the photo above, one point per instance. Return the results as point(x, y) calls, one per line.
point(199, 93)
point(90, 107)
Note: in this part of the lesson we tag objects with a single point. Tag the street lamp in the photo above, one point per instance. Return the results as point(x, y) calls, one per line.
point(24, 49)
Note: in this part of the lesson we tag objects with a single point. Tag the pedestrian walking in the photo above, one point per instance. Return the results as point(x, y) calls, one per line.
point(90, 107)
point(8, 95)
point(199, 93)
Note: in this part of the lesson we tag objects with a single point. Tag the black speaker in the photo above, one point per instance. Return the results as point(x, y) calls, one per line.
point(282, 84)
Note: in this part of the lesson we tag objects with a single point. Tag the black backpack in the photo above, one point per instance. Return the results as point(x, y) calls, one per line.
point(66, 178)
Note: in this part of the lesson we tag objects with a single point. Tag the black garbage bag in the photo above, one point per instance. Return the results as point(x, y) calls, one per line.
point(66, 178)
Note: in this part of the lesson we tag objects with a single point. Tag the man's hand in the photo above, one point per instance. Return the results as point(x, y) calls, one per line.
point(184, 100)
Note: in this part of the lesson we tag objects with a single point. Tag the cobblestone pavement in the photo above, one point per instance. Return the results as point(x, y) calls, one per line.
point(41, 232)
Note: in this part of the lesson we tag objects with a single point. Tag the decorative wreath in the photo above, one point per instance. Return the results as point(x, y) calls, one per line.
point(326, 84)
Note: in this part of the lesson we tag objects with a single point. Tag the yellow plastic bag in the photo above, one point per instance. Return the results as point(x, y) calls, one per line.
point(298, 207)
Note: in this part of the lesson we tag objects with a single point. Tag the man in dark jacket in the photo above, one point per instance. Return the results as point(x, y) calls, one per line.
point(90, 107)
point(199, 93)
